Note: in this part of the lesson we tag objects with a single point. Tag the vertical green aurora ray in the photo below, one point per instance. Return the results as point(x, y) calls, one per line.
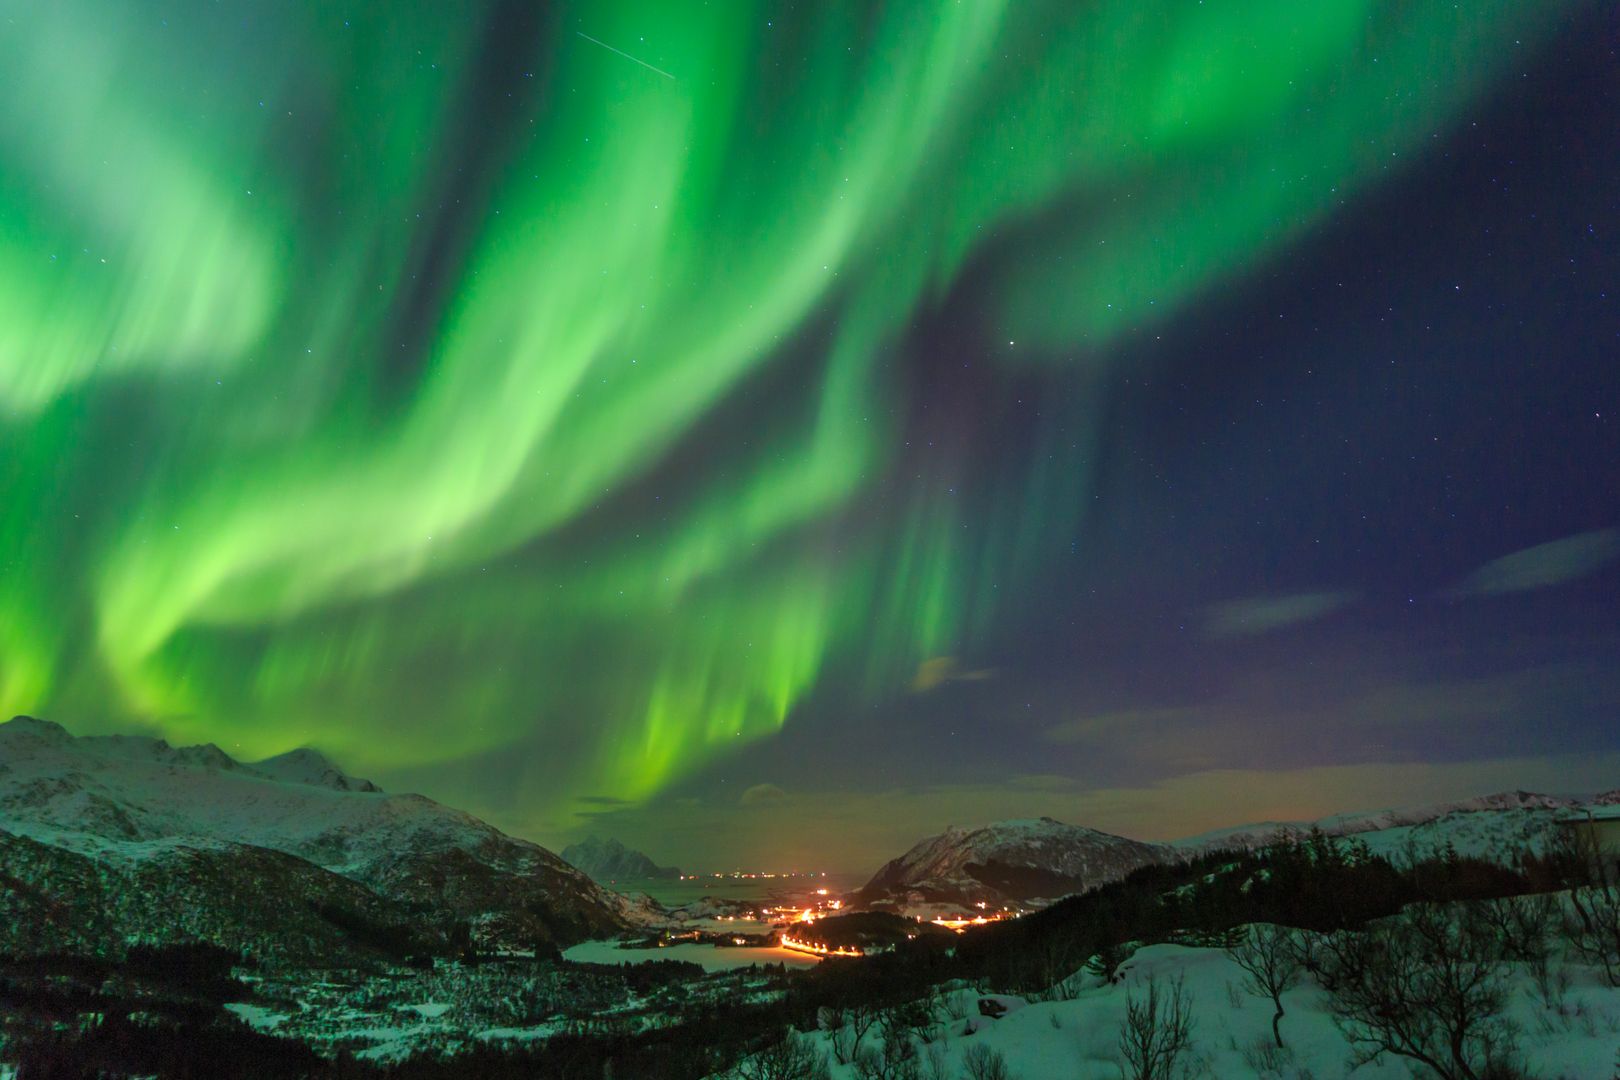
point(420, 311)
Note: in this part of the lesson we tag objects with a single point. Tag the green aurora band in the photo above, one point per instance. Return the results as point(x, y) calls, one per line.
point(411, 380)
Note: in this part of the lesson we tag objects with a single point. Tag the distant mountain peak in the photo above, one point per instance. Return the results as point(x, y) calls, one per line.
point(1016, 859)
point(609, 860)
point(307, 765)
point(597, 843)
point(31, 726)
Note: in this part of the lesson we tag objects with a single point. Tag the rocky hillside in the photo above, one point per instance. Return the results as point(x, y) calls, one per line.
point(1007, 861)
point(127, 838)
point(608, 860)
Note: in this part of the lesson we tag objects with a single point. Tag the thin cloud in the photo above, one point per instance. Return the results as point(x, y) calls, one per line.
point(1556, 562)
point(603, 800)
point(760, 794)
point(1109, 727)
point(938, 670)
point(1252, 615)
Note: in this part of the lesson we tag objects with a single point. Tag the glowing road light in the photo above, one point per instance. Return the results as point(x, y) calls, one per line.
point(817, 949)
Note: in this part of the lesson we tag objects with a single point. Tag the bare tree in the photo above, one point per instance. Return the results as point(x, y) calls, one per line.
point(856, 1021)
point(981, 1062)
point(897, 1060)
point(1104, 963)
point(1271, 965)
point(1157, 1031)
point(1522, 925)
point(791, 1057)
point(1055, 961)
point(914, 1017)
point(1426, 985)
point(933, 1001)
point(1593, 931)
point(845, 1044)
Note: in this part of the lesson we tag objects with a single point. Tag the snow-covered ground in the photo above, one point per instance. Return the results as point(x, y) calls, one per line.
point(711, 957)
point(256, 1016)
point(388, 1015)
point(1079, 1039)
point(522, 1034)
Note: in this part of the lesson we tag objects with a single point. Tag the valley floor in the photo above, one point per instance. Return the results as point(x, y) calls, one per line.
point(388, 1016)
point(708, 957)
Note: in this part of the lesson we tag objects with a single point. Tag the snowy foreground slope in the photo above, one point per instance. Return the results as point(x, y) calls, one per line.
point(1574, 1036)
point(122, 835)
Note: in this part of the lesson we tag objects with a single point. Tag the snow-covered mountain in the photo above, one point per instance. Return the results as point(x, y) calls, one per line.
point(1488, 826)
point(1044, 859)
point(1008, 861)
point(608, 860)
point(100, 830)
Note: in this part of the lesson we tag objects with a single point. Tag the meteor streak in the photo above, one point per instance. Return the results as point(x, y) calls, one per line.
point(626, 55)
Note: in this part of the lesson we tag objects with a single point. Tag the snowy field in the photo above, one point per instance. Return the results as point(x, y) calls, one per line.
point(256, 1017)
point(711, 957)
point(727, 926)
point(1575, 1038)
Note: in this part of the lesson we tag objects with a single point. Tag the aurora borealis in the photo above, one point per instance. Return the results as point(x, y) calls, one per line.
point(429, 384)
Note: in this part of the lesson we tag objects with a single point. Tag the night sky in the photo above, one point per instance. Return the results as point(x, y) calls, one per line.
point(771, 433)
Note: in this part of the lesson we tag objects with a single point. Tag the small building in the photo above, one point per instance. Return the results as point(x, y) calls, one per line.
point(1594, 829)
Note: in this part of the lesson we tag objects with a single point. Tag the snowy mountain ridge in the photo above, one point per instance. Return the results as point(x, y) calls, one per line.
point(1463, 822)
point(1029, 859)
point(302, 766)
point(110, 794)
point(125, 801)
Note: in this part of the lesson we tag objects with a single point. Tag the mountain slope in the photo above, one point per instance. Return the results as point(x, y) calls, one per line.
point(609, 860)
point(131, 804)
point(1008, 861)
point(266, 903)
